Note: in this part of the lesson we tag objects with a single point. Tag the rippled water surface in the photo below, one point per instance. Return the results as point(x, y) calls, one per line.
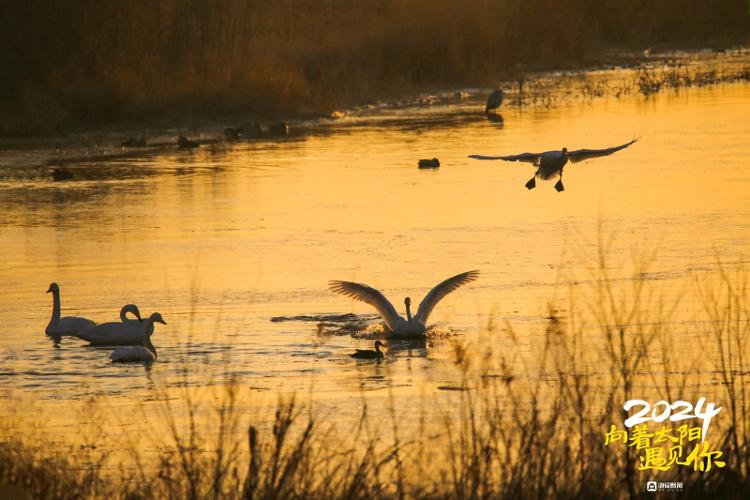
point(223, 239)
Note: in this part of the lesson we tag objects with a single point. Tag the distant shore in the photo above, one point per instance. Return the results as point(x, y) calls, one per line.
point(83, 67)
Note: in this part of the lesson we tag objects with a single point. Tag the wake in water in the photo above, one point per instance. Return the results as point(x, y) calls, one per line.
point(360, 326)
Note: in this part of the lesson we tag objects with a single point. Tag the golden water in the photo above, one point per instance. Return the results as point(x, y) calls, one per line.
point(237, 234)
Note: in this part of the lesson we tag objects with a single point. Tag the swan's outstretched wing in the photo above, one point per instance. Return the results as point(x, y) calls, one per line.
point(527, 157)
point(587, 154)
point(369, 295)
point(440, 291)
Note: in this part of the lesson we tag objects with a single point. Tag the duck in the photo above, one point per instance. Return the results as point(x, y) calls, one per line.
point(61, 174)
point(434, 163)
point(143, 353)
point(398, 327)
point(369, 353)
point(234, 133)
point(185, 143)
point(494, 100)
point(550, 163)
point(121, 333)
point(68, 325)
point(279, 128)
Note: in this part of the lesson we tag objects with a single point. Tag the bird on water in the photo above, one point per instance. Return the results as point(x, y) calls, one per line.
point(412, 326)
point(494, 101)
point(369, 353)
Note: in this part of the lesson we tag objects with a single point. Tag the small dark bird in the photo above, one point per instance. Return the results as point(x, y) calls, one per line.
point(369, 353)
point(434, 163)
point(234, 133)
point(132, 142)
point(550, 163)
point(61, 174)
point(185, 143)
point(254, 131)
point(280, 128)
point(494, 101)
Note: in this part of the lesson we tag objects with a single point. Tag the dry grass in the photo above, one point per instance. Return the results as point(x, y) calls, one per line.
point(91, 62)
point(527, 421)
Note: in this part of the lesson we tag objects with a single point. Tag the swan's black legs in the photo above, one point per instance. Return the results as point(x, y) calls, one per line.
point(531, 184)
point(559, 186)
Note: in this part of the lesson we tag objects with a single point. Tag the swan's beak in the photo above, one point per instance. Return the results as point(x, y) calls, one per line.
point(49, 290)
point(161, 321)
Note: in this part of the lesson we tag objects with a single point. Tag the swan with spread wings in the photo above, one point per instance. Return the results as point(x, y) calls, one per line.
point(551, 163)
point(412, 326)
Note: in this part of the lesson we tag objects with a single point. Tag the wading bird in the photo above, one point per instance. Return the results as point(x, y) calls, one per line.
point(69, 325)
point(369, 353)
point(398, 326)
point(122, 333)
point(146, 352)
point(494, 101)
point(551, 163)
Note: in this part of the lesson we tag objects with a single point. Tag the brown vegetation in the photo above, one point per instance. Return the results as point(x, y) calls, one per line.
point(529, 419)
point(90, 62)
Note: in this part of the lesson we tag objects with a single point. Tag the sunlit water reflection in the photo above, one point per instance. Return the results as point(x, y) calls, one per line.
point(227, 238)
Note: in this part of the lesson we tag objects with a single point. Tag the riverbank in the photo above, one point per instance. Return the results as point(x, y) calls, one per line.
point(136, 65)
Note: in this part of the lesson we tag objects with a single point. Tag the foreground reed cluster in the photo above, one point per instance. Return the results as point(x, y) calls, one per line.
point(135, 59)
point(526, 419)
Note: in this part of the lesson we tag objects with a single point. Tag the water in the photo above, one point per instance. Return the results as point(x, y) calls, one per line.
point(223, 239)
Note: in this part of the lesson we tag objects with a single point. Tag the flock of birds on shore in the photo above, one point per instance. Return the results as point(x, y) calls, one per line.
point(134, 335)
point(549, 164)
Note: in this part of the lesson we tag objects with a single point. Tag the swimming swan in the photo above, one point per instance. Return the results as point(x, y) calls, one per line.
point(551, 163)
point(122, 333)
point(411, 326)
point(146, 352)
point(69, 325)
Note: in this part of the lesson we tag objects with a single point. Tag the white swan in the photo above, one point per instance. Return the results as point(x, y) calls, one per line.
point(121, 333)
point(132, 309)
point(69, 325)
point(398, 326)
point(551, 163)
point(146, 352)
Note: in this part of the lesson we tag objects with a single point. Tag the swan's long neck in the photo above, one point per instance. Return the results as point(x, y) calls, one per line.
point(148, 323)
point(408, 312)
point(55, 308)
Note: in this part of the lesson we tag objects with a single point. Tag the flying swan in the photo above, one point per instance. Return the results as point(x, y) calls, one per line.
point(551, 163)
point(127, 332)
point(69, 325)
point(398, 326)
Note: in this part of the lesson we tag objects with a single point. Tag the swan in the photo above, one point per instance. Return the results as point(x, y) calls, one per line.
point(69, 325)
point(133, 309)
point(146, 352)
point(121, 333)
point(551, 163)
point(369, 353)
point(398, 326)
point(494, 100)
